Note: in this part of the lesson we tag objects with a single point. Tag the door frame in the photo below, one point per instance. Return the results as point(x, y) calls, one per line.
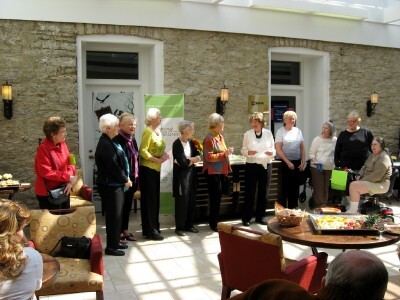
point(312, 106)
point(151, 79)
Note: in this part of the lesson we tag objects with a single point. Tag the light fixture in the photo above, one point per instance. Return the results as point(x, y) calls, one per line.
point(371, 104)
point(222, 100)
point(6, 92)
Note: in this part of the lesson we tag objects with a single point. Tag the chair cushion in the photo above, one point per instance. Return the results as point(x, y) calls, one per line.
point(74, 277)
point(78, 185)
point(77, 201)
point(46, 229)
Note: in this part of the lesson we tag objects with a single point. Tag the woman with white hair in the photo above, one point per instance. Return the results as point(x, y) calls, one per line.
point(152, 155)
point(112, 181)
point(184, 178)
point(291, 151)
point(321, 155)
point(353, 144)
point(215, 165)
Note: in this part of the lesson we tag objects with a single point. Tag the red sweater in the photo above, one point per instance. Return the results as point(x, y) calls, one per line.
point(51, 163)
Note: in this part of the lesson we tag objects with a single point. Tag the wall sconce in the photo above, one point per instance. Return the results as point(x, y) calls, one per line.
point(6, 92)
point(371, 104)
point(222, 100)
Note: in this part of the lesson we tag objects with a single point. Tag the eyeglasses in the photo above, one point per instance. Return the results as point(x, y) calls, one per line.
point(351, 121)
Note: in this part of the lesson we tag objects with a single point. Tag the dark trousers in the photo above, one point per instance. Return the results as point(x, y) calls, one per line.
point(214, 195)
point(257, 177)
point(184, 203)
point(150, 200)
point(45, 204)
point(113, 198)
point(290, 185)
point(126, 211)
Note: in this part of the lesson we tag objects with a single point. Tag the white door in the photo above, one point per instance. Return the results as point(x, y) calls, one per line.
point(99, 100)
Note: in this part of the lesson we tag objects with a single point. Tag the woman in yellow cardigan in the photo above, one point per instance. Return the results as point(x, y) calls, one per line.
point(152, 155)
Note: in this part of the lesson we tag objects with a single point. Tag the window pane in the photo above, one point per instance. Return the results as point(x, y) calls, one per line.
point(112, 65)
point(285, 72)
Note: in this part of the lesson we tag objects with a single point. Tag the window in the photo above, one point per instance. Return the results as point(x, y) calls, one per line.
point(112, 65)
point(285, 72)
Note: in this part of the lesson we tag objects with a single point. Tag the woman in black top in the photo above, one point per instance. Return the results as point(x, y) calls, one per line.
point(353, 144)
point(112, 181)
point(184, 186)
point(126, 138)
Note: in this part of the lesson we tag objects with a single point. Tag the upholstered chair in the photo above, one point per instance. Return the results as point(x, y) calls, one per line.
point(249, 257)
point(75, 275)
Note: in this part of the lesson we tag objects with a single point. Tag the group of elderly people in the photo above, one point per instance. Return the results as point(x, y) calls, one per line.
point(119, 167)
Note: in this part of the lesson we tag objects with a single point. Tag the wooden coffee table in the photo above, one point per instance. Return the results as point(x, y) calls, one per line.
point(304, 234)
point(51, 267)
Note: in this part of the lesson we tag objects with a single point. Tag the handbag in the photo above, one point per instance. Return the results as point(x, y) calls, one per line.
point(74, 247)
point(226, 185)
point(57, 196)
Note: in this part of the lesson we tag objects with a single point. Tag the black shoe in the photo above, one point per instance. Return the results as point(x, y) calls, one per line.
point(192, 229)
point(246, 223)
point(180, 233)
point(122, 246)
point(114, 252)
point(262, 221)
point(155, 237)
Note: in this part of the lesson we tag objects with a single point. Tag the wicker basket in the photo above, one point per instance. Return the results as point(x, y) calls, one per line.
point(289, 220)
point(287, 217)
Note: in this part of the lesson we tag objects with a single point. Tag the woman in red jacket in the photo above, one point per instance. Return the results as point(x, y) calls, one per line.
point(51, 163)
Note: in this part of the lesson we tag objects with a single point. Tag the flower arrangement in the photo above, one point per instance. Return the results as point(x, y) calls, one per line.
point(198, 145)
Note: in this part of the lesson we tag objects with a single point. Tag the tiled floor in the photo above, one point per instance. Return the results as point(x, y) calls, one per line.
point(185, 267)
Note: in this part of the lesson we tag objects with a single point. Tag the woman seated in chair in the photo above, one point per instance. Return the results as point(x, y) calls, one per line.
point(374, 175)
point(21, 267)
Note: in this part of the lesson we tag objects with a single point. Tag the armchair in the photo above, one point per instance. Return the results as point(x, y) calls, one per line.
point(249, 257)
point(76, 275)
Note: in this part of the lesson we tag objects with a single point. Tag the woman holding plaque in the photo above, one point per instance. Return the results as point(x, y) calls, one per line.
point(259, 149)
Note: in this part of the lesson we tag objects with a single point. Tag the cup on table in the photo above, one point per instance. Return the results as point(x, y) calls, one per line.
point(231, 150)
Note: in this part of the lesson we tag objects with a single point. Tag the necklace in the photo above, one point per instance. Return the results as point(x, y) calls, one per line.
point(258, 136)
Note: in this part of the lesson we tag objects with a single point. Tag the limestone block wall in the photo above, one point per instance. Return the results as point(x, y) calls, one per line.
point(39, 59)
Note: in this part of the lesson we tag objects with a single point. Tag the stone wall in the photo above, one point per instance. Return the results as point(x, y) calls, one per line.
point(39, 59)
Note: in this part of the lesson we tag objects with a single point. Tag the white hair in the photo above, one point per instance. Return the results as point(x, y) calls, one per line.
point(214, 120)
point(152, 114)
point(107, 120)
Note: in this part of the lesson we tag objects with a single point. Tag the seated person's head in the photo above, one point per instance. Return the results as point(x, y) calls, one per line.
point(13, 219)
point(360, 273)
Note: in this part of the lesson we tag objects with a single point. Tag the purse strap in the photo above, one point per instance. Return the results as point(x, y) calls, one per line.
point(59, 241)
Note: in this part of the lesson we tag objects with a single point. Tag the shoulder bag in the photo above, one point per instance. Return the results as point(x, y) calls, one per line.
point(74, 247)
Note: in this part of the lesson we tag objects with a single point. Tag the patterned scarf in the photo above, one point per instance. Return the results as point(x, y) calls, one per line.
point(132, 152)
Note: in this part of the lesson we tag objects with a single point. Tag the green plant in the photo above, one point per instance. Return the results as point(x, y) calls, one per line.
point(371, 220)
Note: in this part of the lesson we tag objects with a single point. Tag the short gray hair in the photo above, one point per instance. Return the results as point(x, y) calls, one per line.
point(359, 273)
point(152, 114)
point(332, 128)
point(184, 125)
point(107, 120)
point(214, 120)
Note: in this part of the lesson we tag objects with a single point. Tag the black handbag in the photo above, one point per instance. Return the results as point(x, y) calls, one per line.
point(57, 196)
point(74, 247)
